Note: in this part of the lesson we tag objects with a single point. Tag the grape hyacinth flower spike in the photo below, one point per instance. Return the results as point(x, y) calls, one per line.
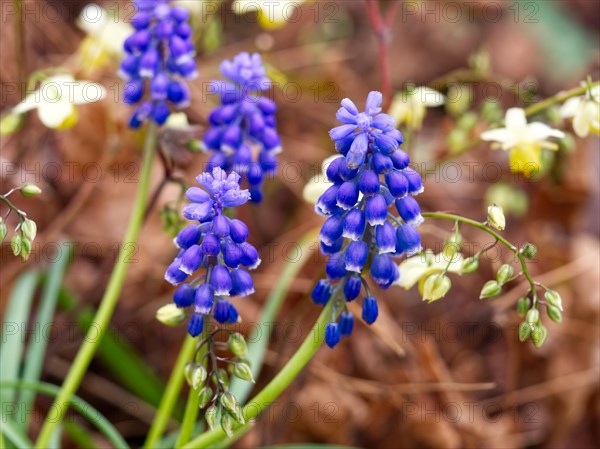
point(218, 246)
point(360, 234)
point(159, 58)
point(243, 136)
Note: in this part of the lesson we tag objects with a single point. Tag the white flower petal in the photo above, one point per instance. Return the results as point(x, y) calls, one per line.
point(569, 109)
point(515, 119)
point(93, 19)
point(315, 187)
point(82, 92)
point(53, 115)
point(30, 102)
point(501, 135)
point(429, 97)
point(538, 131)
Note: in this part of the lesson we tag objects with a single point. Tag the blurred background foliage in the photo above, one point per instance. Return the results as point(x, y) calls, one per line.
point(446, 375)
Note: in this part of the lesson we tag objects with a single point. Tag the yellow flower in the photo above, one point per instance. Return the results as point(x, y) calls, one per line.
point(56, 98)
point(105, 37)
point(585, 112)
point(410, 108)
point(318, 184)
point(525, 141)
point(272, 14)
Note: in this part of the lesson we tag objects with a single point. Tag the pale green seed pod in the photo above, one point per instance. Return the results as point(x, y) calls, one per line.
point(505, 272)
point(435, 287)
point(228, 401)
point(204, 396)
point(523, 305)
point(29, 229)
point(30, 189)
point(539, 335)
point(198, 376)
point(496, 218)
point(237, 345)
point(529, 250)
point(227, 424)
point(170, 315)
point(470, 265)
point(533, 316)
point(554, 299)
point(211, 416)
point(524, 331)
point(490, 289)
point(243, 371)
point(554, 314)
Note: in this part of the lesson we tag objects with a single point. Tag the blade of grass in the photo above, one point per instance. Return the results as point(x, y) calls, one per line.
point(14, 434)
point(54, 442)
point(13, 331)
point(121, 358)
point(38, 343)
point(259, 339)
point(79, 435)
point(81, 406)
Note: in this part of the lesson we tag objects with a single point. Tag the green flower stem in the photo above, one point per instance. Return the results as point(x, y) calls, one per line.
point(172, 390)
point(483, 227)
point(279, 383)
point(109, 300)
point(191, 409)
point(558, 98)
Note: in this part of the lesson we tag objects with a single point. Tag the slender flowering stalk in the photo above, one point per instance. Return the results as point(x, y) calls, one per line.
point(160, 56)
point(218, 246)
point(360, 234)
point(243, 134)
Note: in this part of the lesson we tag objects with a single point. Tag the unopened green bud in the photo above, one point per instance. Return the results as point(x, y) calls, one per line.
point(198, 376)
point(16, 244)
point(554, 299)
point(523, 305)
point(491, 111)
point(457, 140)
point(195, 146)
point(533, 316)
point(504, 274)
point(29, 229)
point(524, 331)
point(170, 315)
point(435, 287)
point(471, 264)
point(10, 123)
point(529, 250)
point(187, 372)
point(539, 335)
point(468, 121)
point(490, 289)
point(211, 416)
point(496, 218)
point(459, 98)
point(227, 424)
point(243, 371)
point(30, 190)
point(25, 248)
point(237, 345)
point(3, 231)
point(554, 314)
point(228, 401)
point(238, 415)
point(452, 245)
point(204, 396)
point(220, 377)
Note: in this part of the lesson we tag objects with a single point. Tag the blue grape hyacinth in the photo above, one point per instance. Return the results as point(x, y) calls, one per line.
point(243, 134)
point(218, 246)
point(360, 234)
point(159, 58)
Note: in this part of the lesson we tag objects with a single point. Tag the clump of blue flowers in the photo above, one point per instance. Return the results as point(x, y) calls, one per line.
point(243, 134)
point(360, 234)
point(159, 58)
point(218, 246)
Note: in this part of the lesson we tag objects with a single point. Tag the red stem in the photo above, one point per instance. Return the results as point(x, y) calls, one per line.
point(382, 27)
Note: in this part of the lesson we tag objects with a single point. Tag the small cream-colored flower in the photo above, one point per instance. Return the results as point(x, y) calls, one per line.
point(106, 35)
point(272, 14)
point(56, 98)
point(585, 112)
point(410, 107)
point(318, 184)
point(417, 268)
point(525, 141)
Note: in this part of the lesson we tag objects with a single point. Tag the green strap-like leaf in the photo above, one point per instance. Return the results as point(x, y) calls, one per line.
point(83, 407)
point(13, 331)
